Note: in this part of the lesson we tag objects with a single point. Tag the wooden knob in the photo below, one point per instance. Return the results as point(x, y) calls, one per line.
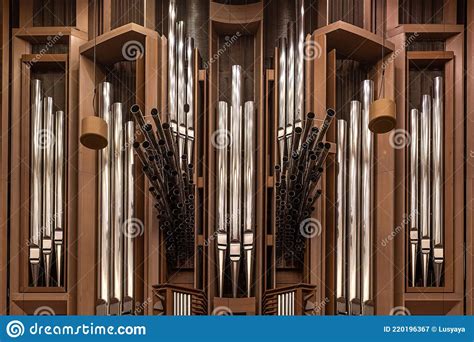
point(382, 116)
point(94, 132)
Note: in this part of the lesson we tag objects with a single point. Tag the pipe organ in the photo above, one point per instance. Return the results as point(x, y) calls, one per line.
point(261, 157)
point(354, 245)
point(426, 189)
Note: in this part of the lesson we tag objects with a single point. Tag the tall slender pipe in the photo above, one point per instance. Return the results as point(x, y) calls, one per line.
point(129, 211)
point(299, 106)
point(437, 195)
point(48, 202)
point(282, 98)
point(236, 177)
point(414, 213)
point(249, 190)
point(425, 125)
point(181, 80)
point(104, 98)
point(221, 204)
point(59, 195)
point(366, 222)
point(190, 101)
point(117, 219)
point(353, 209)
point(172, 100)
point(341, 155)
point(290, 75)
point(36, 181)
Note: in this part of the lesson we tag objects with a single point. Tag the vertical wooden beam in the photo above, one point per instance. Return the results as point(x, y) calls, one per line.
point(82, 15)
point(391, 14)
point(26, 13)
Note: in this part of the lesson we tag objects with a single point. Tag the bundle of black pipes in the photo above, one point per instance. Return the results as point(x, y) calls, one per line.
point(296, 184)
point(172, 186)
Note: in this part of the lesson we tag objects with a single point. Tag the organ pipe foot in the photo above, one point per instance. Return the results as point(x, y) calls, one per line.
point(35, 264)
point(221, 252)
point(341, 306)
point(127, 306)
point(413, 255)
point(35, 268)
point(424, 268)
point(355, 307)
point(47, 268)
point(368, 308)
point(114, 307)
point(235, 276)
point(248, 249)
point(58, 251)
point(438, 255)
point(101, 308)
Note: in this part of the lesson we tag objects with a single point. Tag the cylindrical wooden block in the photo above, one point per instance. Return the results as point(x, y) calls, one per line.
point(94, 132)
point(383, 116)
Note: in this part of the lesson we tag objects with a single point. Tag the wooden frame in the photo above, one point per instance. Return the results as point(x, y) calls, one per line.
point(250, 18)
point(448, 299)
point(25, 298)
point(148, 75)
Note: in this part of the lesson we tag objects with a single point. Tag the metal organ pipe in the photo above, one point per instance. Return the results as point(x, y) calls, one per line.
point(414, 212)
point(59, 195)
point(437, 195)
point(104, 97)
point(249, 190)
point(282, 100)
point(300, 40)
point(425, 128)
point(366, 220)
point(221, 186)
point(236, 170)
point(172, 101)
point(181, 80)
point(189, 110)
point(48, 181)
point(36, 181)
point(353, 209)
point(341, 246)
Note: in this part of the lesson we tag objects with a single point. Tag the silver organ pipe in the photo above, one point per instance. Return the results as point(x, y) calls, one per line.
point(48, 192)
point(104, 99)
point(181, 80)
point(353, 219)
point(299, 73)
point(414, 212)
point(437, 172)
point(236, 175)
point(366, 219)
point(221, 186)
point(341, 245)
point(249, 190)
point(59, 195)
point(290, 78)
point(36, 181)
point(282, 101)
point(425, 151)
point(172, 100)
point(129, 211)
point(189, 108)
